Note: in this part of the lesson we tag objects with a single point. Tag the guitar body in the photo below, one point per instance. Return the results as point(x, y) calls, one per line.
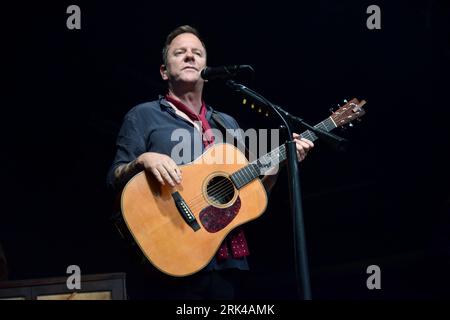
point(168, 241)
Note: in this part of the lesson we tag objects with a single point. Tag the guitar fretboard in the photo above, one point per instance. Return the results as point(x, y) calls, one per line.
point(258, 167)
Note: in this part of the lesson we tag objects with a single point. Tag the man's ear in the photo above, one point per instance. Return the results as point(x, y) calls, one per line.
point(163, 72)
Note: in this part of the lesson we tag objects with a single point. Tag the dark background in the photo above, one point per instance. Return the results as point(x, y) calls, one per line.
point(385, 202)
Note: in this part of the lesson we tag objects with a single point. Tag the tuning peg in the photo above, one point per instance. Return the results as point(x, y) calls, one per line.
point(345, 101)
point(331, 110)
point(350, 124)
point(358, 119)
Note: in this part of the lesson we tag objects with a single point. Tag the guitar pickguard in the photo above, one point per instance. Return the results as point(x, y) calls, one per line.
point(215, 219)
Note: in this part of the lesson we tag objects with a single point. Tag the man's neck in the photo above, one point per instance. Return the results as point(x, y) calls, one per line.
point(192, 99)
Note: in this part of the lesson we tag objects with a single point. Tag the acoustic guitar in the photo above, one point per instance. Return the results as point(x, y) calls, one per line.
point(179, 229)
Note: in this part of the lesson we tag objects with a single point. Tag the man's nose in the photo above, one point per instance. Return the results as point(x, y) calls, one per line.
point(189, 56)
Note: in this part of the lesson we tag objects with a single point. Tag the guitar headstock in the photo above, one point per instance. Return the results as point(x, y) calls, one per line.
point(350, 111)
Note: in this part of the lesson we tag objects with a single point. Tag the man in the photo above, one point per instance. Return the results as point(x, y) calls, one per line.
point(144, 143)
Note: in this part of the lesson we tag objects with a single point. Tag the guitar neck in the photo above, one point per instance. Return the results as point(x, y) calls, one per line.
point(260, 166)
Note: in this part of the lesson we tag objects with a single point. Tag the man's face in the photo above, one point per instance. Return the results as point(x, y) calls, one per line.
point(186, 57)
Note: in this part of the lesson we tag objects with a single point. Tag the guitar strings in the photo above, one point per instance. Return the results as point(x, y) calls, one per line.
point(222, 189)
point(218, 190)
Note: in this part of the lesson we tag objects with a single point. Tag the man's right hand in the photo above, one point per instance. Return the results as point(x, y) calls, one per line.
point(161, 166)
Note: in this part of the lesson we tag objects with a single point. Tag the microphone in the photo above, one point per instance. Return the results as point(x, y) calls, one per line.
point(223, 72)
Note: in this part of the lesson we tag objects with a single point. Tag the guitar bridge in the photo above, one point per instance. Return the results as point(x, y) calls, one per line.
point(185, 212)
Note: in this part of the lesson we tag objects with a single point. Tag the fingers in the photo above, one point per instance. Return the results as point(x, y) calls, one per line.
point(163, 168)
point(174, 173)
point(157, 175)
point(168, 173)
point(301, 152)
point(303, 146)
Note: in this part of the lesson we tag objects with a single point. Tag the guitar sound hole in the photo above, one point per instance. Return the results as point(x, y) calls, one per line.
point(220, 190)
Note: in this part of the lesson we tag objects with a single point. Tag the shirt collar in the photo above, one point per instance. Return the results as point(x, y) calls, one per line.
point(166, 106)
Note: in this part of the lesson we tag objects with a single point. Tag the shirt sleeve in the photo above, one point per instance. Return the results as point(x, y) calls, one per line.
point(129, 145)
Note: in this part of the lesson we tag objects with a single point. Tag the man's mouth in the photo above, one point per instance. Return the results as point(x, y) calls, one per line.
point(193, 68)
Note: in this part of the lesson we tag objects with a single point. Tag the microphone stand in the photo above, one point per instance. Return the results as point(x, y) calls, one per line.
point(300, 254)
point(301, 257)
